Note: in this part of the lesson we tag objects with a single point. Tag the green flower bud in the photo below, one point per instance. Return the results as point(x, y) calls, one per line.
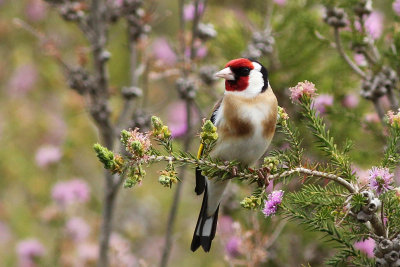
point(167, 178)
point(209, 133)
point(137, 148)
point(105, 156)
point(282, 115)
point(271, 163)
point(156, 123)
point(125, 135)
point(251, 202)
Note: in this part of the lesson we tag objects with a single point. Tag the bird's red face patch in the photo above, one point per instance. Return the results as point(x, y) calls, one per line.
point(241, 80)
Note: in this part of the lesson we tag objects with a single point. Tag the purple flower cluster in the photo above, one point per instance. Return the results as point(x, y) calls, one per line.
point(28, 251)
point(396, 7)
point(69, 192)
point(271, 204)
point(380, 179)
point(232, 247)
point(367, 246)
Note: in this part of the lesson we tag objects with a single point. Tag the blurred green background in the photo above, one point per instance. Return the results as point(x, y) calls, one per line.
point(46, 133)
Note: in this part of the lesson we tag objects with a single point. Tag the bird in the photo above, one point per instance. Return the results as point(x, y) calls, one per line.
point(245, 118)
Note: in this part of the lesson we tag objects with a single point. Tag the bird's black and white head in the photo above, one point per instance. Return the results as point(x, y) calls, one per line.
point(244, 77)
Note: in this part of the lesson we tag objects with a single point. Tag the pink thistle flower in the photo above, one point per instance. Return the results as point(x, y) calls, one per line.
point(70, 192)
point(367, 246)
point(360, 59)
point(380, 179)
point(302, 88)
point(36, 10)
point(77, 229)
point(232, 247)
point(350, 101)
point(47, 155)
point(374, 25)
point(321, 103)
point(280, 2)
point(163, 51)
point(29, 251)
point(271, 204)
point(23, 80)
point(188, 11)
point(396, 7)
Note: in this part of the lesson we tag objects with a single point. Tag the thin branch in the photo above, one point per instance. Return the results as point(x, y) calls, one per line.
point(345, 57)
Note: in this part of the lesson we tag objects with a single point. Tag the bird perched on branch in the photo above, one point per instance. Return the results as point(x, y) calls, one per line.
point(245, 118)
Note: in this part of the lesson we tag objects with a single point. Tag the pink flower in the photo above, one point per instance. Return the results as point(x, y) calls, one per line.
point(225, 225)
point(374, 25)
point(371, 117)
point(28, 251)
point(163, 51)
point(36, 10)
point(201, 51)
point(69, 192)
point(393, 118)
point(350, 101)
point(77, 229)
point(88, 252)
point(363, 175)
point(280, 2)
point(302, 88)
point(367, 246)
point(232, 247)
point(23, 80)
point(271, 204)
point(121, 254)
point(321, 103)
point(396, 7)
point(47, 155)
point(380, 179)
point(360, 59)
point(177, 118)
point(188, 11)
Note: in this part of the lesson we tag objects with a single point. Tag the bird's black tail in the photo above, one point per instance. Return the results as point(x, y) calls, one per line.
point(200, 182)
point(205, 228)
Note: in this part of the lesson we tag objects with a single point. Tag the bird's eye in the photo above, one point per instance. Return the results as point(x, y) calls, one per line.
point(244, 71)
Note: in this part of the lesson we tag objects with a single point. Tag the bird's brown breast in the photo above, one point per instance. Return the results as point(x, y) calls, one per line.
point(238, 124)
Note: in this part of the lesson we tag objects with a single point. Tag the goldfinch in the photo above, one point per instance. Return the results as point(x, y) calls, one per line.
point(245, 118)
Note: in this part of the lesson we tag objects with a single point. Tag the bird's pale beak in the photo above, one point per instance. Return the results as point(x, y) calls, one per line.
point(226, 73)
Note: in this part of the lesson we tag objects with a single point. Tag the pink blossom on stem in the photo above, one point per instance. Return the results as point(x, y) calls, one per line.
point(68, 192)
point(280, 2)
point(36, 10)
point(380, 179)
point(374, 25)
point(367, 246)
point(271, 204)
point(29, 251)
point(232, 247)
point(396, 7)
point(163, 51)
point(77, 229)
point(321, 103)
point(302, 88)
point(350, 101)
point(188, 11)
point(360, 59)
point(23, 80)
point(177, 118)
point(47, 155)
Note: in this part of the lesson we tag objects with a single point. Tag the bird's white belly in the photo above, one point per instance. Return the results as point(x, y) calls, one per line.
point(247, 149)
